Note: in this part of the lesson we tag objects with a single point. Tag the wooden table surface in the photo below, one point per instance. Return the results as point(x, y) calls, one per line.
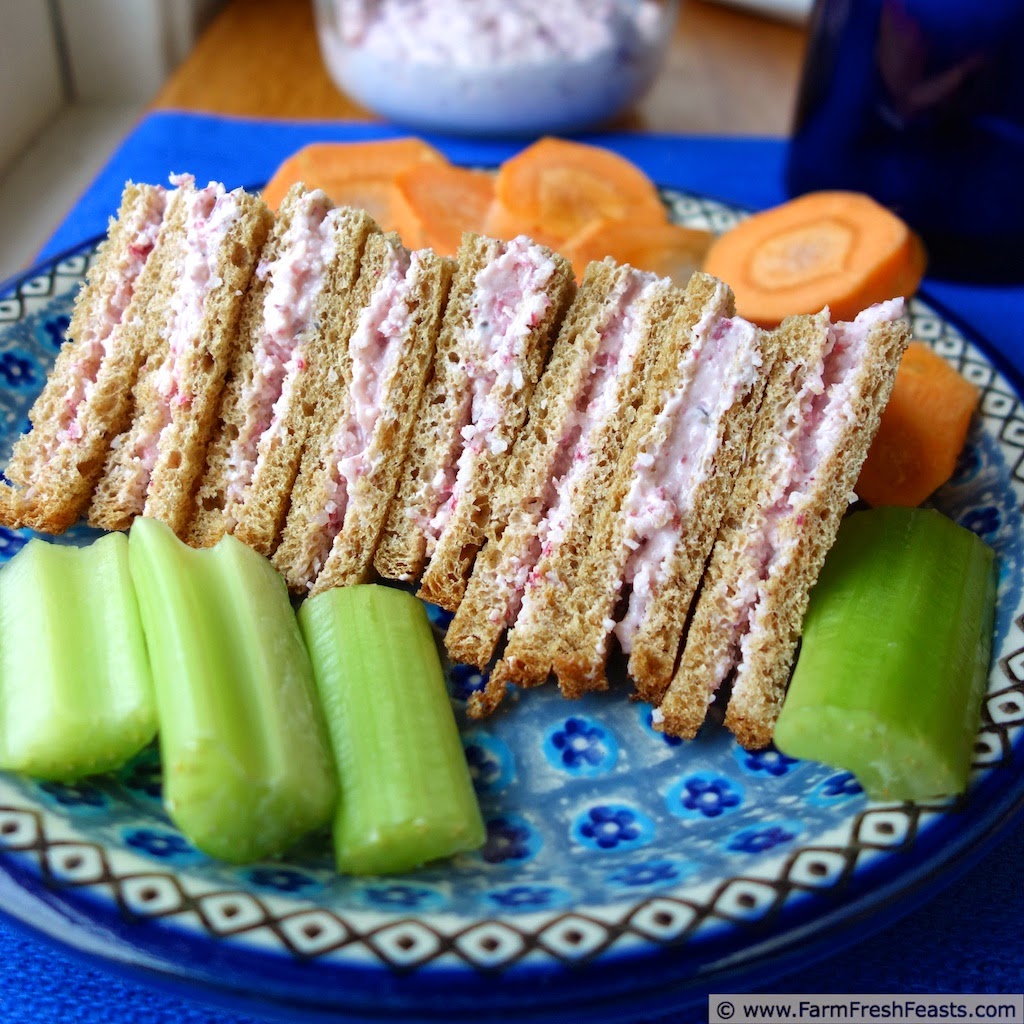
point(727, 72)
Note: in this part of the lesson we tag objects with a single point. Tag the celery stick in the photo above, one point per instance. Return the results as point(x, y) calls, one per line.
point(406, 794)
point(76, 695)
point(895, 655)
point(246, 762)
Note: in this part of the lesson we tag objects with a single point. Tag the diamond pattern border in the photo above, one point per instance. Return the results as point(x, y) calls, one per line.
point(309, 932)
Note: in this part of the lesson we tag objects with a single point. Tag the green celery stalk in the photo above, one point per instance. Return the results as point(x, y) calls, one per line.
point(76, 695)
point(895, 655)
point(246, 762)
point(406, 794)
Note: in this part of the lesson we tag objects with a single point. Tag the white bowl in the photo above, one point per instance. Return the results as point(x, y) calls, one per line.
point(495, 67)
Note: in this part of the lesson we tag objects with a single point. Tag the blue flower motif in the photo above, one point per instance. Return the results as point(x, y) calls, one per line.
point(646, 873)
point(11, 542)
point(408, 897)
point(613, 827)
point(524, 897)
point(581, 747)
point(281, 879)
point(759, 840)
point(704, 796)
point(74, 795)
point(18, 370)
point(770, 761)
point(55, 330)
point(510, 840)
point(843, 784)
point(490, 761)
point(465, 681)
point(983, 521)
point(165, 845)
point(646, 713)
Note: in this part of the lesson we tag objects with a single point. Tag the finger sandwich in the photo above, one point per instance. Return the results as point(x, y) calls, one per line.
point(661, 513)
point(86, 401)
point(285, 365)
point(209, 246)
point(580, 414)
point(824, 398)
point(506, 303)
point(357, 442)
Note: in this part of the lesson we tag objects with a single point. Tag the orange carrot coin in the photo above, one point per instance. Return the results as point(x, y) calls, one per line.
point(359, 174)
point(923, 430)
point(837, 249)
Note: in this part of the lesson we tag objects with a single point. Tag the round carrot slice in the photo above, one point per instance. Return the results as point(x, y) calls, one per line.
point(554, 187)
point(837, 249)
point(668, 250)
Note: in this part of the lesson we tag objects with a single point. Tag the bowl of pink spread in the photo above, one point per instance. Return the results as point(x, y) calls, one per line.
point(495, 67)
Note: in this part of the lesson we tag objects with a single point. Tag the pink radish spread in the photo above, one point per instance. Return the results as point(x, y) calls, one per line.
point(717, 370)
point(812, 428)
point(118, 287)
point(598, 397)
point(375, 348)
point(210, 215)
point(509, 300)
point(289, 314)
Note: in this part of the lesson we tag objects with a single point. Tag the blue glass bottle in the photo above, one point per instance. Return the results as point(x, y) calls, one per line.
point(920, 103)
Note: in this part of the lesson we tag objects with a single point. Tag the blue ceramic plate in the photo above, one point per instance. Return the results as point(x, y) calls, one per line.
point(623, 872)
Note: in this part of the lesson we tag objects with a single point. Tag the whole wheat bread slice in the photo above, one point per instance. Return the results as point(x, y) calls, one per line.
point(544, 471)
point(315, 553)
point(85, 402)
point(254, 506)
point(490, 354)
point(175, 398)
point(804, 525)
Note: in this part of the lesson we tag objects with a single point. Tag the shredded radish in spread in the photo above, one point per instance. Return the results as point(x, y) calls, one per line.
point(297, 280)
point(717, 370)
point(509, 300)
point(597, 398)
point(813, 423)
point(117, 287)
point(375, 348)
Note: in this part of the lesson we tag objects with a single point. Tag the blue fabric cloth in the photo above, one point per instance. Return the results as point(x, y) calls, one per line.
point(968, 938)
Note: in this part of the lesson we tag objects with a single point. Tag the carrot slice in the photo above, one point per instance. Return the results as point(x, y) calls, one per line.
point(555, 187)
point(922, 432)
point(360, 174)
point(435, 203)
point(837, 249)
point(668, 249)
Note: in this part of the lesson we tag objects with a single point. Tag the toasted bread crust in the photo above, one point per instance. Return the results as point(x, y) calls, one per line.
point(812, 526)
point(258, 516)
point(444, 581)
point(55, 477)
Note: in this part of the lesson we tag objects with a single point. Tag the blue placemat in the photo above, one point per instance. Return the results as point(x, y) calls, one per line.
point(969, 938)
